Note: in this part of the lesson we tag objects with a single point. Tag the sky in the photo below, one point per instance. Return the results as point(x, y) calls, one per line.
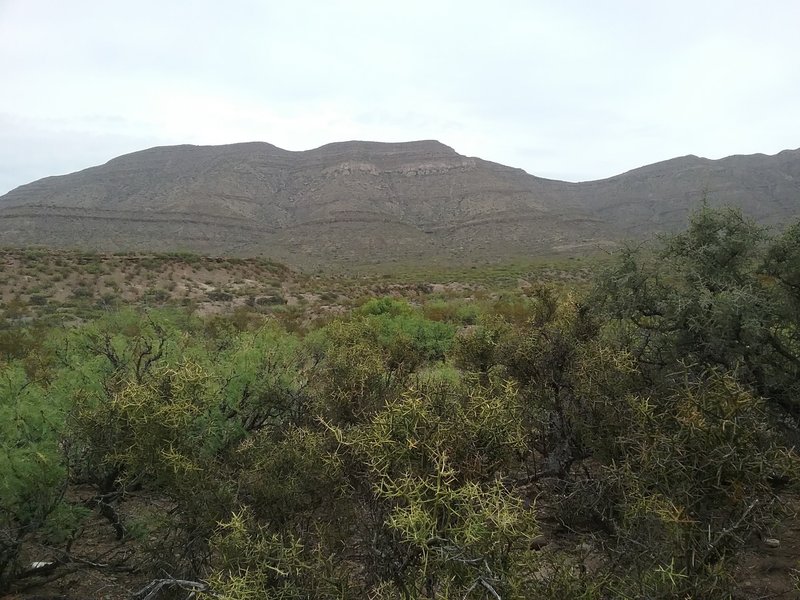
point(567, 89)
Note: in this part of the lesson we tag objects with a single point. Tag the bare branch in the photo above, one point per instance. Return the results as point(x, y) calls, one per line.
point(154, 588)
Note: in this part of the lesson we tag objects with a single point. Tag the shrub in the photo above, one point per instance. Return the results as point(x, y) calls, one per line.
point(37, 300)
point(271, 300)
point(701, 298)
point(33, 477)
point(219, 296)
point(690, 478)
point(385, 306)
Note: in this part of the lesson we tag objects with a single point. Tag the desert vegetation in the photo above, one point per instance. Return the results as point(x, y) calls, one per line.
point(174, 426)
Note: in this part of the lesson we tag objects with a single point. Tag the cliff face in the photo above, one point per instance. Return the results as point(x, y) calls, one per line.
point(373, 202)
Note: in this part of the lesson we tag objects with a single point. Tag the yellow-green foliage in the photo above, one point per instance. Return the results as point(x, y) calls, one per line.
point(284, 470)
point(691, 477)
point(167, 429)
point(256, 562)
point(155, 425)
point(354, 377)
point(435, 460)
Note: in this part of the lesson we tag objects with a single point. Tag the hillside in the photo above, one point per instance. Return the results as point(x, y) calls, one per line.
point(658, 197)
point(367, 202)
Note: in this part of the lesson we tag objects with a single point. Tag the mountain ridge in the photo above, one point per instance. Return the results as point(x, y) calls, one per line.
point(360, 201)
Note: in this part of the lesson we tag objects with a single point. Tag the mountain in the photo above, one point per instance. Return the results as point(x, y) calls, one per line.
point(369, 202)
point(659, 197)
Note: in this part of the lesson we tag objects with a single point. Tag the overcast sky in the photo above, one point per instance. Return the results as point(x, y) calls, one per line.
point(565, 89)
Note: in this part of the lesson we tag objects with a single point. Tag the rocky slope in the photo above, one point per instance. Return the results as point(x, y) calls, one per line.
point(365, 202)
point(659, 196)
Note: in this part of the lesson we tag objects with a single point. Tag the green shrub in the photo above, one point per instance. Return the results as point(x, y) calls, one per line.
point(385, 306)
point(690, 478)
point(33, 476)
point(433, 459)
point(702, 298)
point(452, 311)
